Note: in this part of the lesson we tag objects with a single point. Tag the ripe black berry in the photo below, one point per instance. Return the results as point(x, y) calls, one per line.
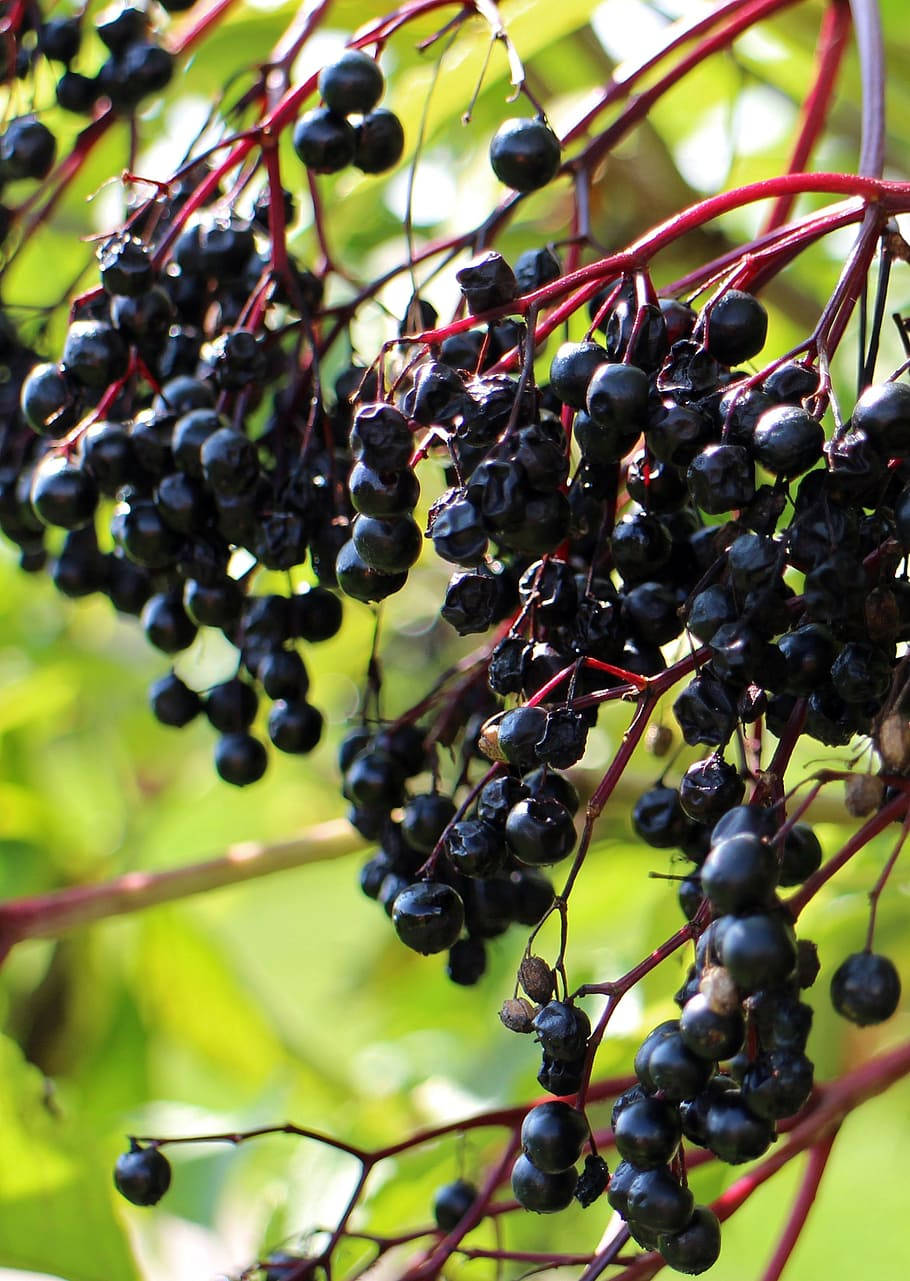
point(525, 154)
point(544, 1193)
point(142, 1175)
point(324, 140)
point(552, 1136)
point(866, 988)
point(452, 1202)
point(353, 83)
point(428, 916)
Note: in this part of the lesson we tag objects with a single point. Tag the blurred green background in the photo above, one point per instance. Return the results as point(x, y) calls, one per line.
point(289, 997)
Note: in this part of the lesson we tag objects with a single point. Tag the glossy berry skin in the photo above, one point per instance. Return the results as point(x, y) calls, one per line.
point(696, 1248)
point(62, 494)
point(378, 142)
point(428, 916)
point(676, 1071)
point(777, 1085)
point(787, 441)
point(618, 394)
point(883, 413)
point(324, 140)
point(142, 1175)
point(759, 950)
point(356, 578)
point(425, 818)
point(539, 831)
point(387, 544)
point(552, 1136)
point(801, 855)
point(94, 354)
point(240, 759)
point(658, 818)
point(866, 988)
point(708, 1034)
point(659, 1202)
point(475, 848)
point(733, 1132)
point(541, 1192)
point(452, 1202)
point(525, 154)
point(572, 368)
point(353, 83)
point(721, 478)
point(172, 702)
point(739, 872)
point(646, 1049)
point(48, 401)
point(647, 1132)
point(166, 623)
point(709, 788)
point(736, 327)
point(27, 149)
point(376, 493)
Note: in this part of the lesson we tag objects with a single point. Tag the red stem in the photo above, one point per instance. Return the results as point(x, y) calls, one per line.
point(832, 43)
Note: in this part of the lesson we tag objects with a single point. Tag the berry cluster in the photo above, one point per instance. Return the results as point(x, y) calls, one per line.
point(324, 138)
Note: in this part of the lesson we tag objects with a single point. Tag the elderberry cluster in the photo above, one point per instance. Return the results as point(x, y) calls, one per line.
point(116, 58)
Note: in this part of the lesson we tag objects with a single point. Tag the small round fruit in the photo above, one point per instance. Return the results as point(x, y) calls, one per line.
point(736, 327)
point(353, 83)
point(428, 916)
point(324, 141)
point(142, 1175)
point(452, 1202)
point(378, 141)
point(552, 1136)
point(544, 1193)
point(866, 988)
point(240, 759)
point(696, 1248)
point(525, 154)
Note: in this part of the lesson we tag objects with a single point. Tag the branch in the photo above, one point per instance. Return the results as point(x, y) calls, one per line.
point(47, 915)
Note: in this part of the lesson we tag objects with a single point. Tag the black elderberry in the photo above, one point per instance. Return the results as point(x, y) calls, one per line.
point(453, 1200)
point(546, 784)
point(883, 413)
point(866, 988)
point(809, 654)
point(475, 848)
point(739, 872)
point(733, 1132)
point(791, 382)
point(108, 453)
point(295, 726)
point(705, 712)
point(387, 544)
point(552, 1136)
point(378, 141)
point(377, 493)
point(142, 1175)
point(759, 950)
point(647, 1132)
point(658, 818)
point(721, 478)
point(617, 394)
point(27, 149)
point(776, 1085)
point(709, 788)
point(497, 798)
point(428, 916)
point(231, 706)
point(861, 673)
point(562, 1031)
point(735, 327)
point(48, 401)
point(76, 92)
point(800, 856)
point(709, 1034)
point(658, 1202)
point(519, 732)
point(126, 266)
point(166, 623)
point(59, 39)
point(94, 354)
point(324, 140)
point(641, 544)
point(63, 494)
point(352, 84)
point(675, 1070)
point(380, 437)
point(535, 268)
point(172, 702)
point(539, 831)
point(487, 281)
point(467, 961)
point(230, 463)
point(787, 441)
point(240, 759)
point(695, 1248)
point(525, 154)
point(572, 368)
point(356, 578)
point(541, 1192)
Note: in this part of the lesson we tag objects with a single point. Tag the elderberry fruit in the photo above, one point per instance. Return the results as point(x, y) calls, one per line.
point(759, 950)
point(733, 1132)
point(378, 142)
point(452, 1202)
point(525, 154)
point(358, 579)
point(542, 1192)
point(324, 140)
point(866, 988)
point(552, 1136)
point(428, 916)
point(172, 702)
point(658, 1202)
point(647, 1132)
point(27, 149)
point(539, 831)
point(736, 327)
point(467, 961)
point(240, 759)
point(142, 1175)
point(695, 1248)
point(562, 1031)
point(352, 84)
